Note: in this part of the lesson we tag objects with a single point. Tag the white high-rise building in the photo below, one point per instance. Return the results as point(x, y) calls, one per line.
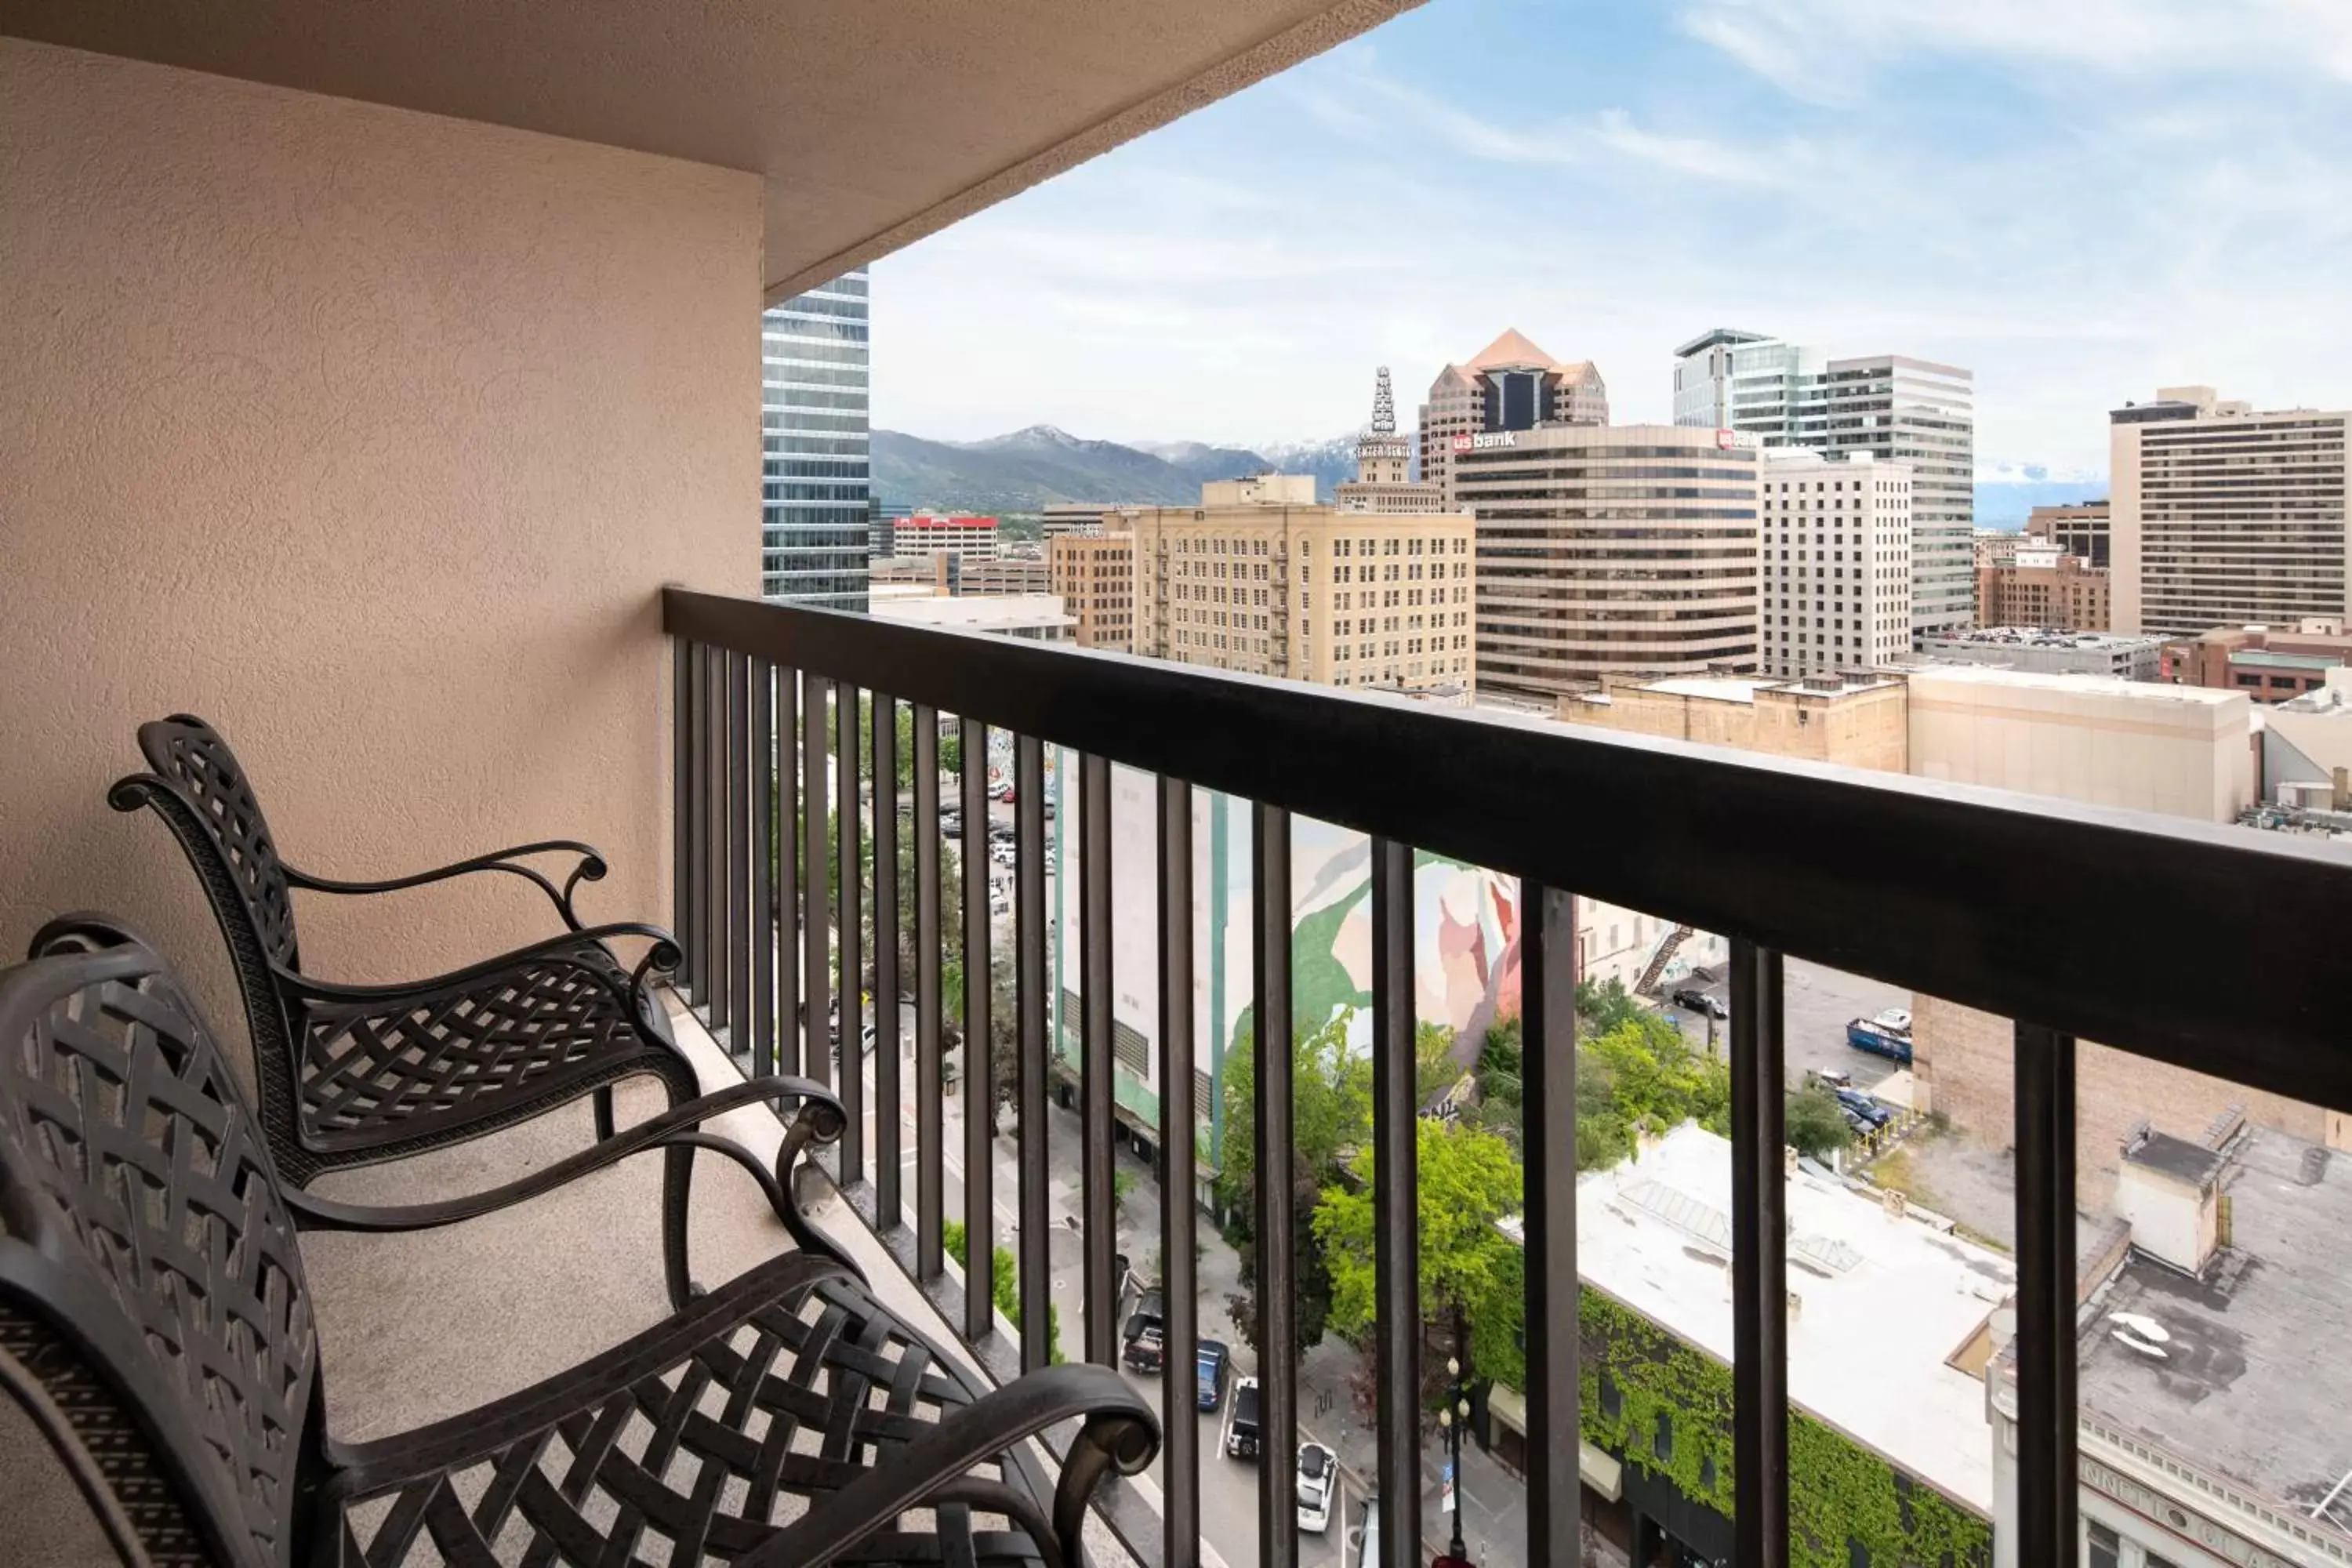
point(1891, 407)
point(1836, 571)
point(2222, 516)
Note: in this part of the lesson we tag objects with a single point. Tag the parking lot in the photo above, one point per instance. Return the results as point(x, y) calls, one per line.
point(1816, 1004)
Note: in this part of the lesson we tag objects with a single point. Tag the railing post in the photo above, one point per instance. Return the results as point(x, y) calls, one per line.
point(978, 1063)
point(2047, 1436)
point(849, 857)
point(1278, 1265)
point(716, 936)
point(1179, 1218)
point(889, 1202)
point(1396, 1205)
point(791, 1045)
point(739, 914)
point(817, 895)
point(1760, 1263)
point(682, 804)
point(1097, 1063)
point(1030, 1195)
point(1547, 977)
point(764, 868)
point(930, 1177)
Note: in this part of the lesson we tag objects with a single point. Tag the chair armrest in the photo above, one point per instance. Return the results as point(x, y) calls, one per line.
point(590, 867)
point(661, 959)
point(821, 1119)
point(1120, 1433)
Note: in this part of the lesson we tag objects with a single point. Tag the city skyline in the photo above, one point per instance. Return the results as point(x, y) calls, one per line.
point(2001, 190)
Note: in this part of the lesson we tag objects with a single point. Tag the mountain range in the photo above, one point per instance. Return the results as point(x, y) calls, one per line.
point(1030, 468)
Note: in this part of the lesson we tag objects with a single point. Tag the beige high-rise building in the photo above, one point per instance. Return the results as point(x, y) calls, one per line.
point(1618, 549)
point(2222, 516)
point(1511, 385)
point(1094, 575)
point(1258, 578)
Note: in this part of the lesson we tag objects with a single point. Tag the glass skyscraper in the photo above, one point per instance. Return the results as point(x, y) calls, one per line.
point(1891, 407)
point(815, 481)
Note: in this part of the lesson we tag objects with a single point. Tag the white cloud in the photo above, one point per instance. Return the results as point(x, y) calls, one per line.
point(1826, 50)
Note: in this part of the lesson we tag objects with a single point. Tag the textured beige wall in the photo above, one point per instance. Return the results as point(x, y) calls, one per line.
point(370, 435)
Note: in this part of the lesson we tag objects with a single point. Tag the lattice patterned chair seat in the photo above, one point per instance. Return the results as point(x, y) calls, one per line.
point(355, 1075)
point(156, 1326)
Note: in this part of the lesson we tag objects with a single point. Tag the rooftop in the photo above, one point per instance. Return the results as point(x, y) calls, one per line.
point(2264, 658)
point(2249, 1381)
point(2177, 1158)
point(2077, 684)
point(993, 613)
point(2046, 637)
point(1885, 1302)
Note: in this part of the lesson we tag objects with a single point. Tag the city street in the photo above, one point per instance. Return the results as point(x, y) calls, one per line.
point(1815, 1006)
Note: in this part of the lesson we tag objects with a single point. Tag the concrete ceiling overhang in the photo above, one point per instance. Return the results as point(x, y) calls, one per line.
point(874, 122)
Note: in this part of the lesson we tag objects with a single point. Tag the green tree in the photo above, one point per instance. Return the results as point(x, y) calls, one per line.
point(1311, 1293)
point(1467, 1180)
point(1331, 1108)
point(1434, 1068)
point(1642, 1077)
point(1815, 1125)
point(1605, 1008)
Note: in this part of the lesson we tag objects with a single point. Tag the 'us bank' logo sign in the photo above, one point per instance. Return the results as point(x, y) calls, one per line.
point(1485, 440)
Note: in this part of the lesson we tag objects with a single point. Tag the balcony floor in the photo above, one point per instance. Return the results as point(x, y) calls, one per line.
point(483, 1308)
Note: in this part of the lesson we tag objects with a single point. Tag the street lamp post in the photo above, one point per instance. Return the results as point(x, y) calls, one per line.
point(1450, 1420)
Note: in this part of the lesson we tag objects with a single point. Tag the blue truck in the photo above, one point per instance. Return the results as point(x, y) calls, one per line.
point(1881, 1036)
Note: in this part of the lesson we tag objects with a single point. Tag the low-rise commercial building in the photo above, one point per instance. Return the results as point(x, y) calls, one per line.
point(2036, 585)
point(1071, 516)
point(2212, 1432)
point(1026, 572)
point(1094, 574)
point(1033, 617)
point(1860, 720)
point(2045, 650)
point(1905, 1419)
point(2268, 663)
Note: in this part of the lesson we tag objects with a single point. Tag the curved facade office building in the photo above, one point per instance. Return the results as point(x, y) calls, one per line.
point(1609, 549)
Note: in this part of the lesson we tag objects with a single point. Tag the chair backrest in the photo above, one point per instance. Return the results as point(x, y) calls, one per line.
point(154, 1316)
point(200, 790)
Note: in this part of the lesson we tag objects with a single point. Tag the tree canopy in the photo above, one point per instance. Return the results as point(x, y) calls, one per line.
point(1468, 1179)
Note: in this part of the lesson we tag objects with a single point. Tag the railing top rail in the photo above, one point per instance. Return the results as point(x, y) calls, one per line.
point(2209, 945)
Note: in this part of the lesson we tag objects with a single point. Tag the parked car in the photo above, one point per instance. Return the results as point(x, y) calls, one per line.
point(1319, 1482)
point(1896, 1018)
point(952, 827)
point(1001, 852)
point(1241, 1433)
point(1692, 999)
point(1209, 1365)
point(1862, 1105)
point(1000, 830)
point(1831, 1078)
point(1860, 1125)
point(1147, 1346)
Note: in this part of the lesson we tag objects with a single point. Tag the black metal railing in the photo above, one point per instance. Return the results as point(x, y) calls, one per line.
point(2208, 947)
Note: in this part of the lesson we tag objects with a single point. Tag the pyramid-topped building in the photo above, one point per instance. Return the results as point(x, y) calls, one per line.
point(1510, 385)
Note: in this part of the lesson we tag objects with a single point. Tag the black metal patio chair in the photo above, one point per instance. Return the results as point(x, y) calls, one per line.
point(156, 1327)
point(357, 1075)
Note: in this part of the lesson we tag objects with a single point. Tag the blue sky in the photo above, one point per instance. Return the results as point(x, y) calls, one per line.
point(2077, 199)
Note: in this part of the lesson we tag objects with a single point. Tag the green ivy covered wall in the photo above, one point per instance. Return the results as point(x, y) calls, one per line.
point(1840, 1494)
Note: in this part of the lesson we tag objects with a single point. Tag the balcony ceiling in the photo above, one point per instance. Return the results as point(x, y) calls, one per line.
point(874, 122)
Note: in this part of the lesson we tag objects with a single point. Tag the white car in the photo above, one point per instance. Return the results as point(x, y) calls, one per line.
point(1318, 1485)
point(1895, 1018)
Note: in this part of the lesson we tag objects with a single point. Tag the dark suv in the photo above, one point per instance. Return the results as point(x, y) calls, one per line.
point(1209, 1373)
point(1147, 1347)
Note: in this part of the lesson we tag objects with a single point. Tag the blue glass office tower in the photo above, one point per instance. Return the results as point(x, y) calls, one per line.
point(815, 480)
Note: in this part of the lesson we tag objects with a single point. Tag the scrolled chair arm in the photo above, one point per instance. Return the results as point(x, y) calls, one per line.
point(1120, 1434)
point(661, 959)
point(590, 867)
point(819, 1119)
